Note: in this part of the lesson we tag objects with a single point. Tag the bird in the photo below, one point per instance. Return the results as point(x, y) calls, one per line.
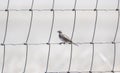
point(65, 38)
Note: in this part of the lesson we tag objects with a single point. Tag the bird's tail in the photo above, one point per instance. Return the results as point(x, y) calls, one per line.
point(75, 44)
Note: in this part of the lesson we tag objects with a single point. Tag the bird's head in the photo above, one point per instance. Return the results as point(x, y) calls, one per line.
point(59, 31)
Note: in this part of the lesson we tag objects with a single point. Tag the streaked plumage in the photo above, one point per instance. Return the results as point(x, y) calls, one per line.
point(65, 38)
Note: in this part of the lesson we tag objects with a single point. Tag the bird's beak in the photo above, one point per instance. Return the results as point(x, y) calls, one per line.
point(58, 31)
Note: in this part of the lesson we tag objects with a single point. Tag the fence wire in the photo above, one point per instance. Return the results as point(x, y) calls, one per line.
point(4, 39)
point(114, 40)
point(73, 30)
point(28, 35)
point(53, 10)
point(93, 47)
point(49, 40)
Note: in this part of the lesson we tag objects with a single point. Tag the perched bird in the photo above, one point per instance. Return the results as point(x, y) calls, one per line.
point(65, 38)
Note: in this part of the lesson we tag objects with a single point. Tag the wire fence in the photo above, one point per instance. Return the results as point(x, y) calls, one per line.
point(4, 44)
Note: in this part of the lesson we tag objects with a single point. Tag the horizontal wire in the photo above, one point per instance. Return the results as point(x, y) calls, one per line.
point(60, 9)
point(59, 43)
point(82, 71)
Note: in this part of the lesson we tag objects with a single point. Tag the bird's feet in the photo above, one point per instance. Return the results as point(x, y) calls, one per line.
point(62, 43)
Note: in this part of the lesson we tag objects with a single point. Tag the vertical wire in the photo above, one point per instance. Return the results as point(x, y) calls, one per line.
point(49, 50)
point(53, 4)
point(6, 28)
point(3, 64)
point(32, 4)
point(3, 44)
point(75, 4)
point(117, 23)
point(8, 4)
point(49, 43)
point(28, 35)
point(93, 50)
point(30, 26)
point(95, 21)
point(26, 57)
point(52, 22)
point(93, 46)
point(114, 58)
point(71, 51)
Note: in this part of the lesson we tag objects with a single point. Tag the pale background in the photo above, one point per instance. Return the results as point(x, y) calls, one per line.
point(59, 60)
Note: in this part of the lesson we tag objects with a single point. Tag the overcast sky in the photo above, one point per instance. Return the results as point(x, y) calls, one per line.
point(18, 25)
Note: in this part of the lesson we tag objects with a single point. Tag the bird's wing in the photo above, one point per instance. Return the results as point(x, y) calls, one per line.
point(66, 38)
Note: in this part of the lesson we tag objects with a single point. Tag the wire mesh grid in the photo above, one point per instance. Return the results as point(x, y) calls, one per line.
point(49, 43)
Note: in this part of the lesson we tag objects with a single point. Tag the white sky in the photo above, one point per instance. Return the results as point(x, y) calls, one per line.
point(18, 26)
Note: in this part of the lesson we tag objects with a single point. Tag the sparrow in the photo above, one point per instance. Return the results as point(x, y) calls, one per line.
point(65, 38)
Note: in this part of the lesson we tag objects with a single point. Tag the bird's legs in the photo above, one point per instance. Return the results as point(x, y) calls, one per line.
point(62, 43)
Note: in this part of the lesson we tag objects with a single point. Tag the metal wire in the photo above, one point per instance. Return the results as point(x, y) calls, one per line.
point(93, 47)
point(3, 44)
point(49, 40)
point(30, 26)
point(3, 63)
point(60, 10)
point(80, 43)
point(26, 58)
point(117, 23)
point(85, 72)
point(114, 58)
point(71, 51)
point(6, 28)
point(28, 35)
point(51, 31)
